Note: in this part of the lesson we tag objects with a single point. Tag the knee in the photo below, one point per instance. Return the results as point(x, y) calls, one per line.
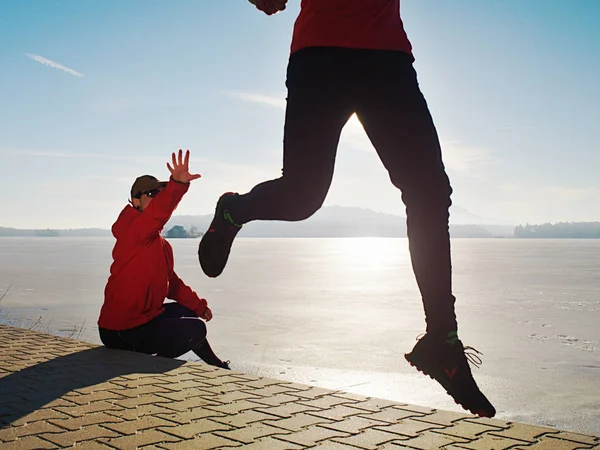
point(429, 197)
point(305, 199)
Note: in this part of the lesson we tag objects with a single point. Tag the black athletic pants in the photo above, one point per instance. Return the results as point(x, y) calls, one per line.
point(172, 334)
point(325, 87)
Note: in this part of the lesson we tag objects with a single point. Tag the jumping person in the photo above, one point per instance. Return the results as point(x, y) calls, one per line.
point(134, 316)
point(353, 57)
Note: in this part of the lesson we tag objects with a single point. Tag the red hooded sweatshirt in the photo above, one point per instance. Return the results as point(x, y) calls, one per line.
point(360, 24)
point(142, 275)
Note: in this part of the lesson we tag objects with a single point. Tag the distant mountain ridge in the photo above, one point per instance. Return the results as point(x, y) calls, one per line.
point(330, 221)
point(74, 232)
point(342, 221)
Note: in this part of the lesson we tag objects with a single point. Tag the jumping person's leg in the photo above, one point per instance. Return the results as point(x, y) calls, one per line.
point(318, 107)
point(397, 120)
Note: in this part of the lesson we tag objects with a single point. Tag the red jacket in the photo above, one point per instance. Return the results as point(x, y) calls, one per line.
point(142, 275)
point(362, 24)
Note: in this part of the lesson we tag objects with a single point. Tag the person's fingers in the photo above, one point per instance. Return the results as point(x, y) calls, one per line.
point(186, 161)
point(180, 157)
point(174, 159)
point(195, 176)
point(169, 167)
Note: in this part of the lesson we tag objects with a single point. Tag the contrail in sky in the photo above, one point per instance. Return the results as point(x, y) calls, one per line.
point(50, 63)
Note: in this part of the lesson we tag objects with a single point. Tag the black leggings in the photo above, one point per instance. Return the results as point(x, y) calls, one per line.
point(325, 87)
point(174, 333)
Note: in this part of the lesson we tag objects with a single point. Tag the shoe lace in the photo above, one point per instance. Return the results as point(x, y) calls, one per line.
point(471, 353)
point(473, 357)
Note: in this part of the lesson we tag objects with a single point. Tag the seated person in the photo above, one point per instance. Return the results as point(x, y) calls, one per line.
point(134, 316)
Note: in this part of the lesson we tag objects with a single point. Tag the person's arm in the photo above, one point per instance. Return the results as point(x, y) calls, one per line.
point(160, 209)
point(269, 7)
point(182, 293)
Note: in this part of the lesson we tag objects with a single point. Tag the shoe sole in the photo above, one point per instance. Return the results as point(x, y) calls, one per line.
point(477, 412)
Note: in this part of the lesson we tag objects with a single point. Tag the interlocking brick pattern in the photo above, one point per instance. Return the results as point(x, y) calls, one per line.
point(58, 393)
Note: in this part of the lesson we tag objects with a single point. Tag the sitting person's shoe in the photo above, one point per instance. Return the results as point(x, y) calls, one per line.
point(215, 245)
point(225, 365)
point(445, 360)
point(205, 352)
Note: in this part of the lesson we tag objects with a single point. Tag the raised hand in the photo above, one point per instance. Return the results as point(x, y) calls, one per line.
point(180, 170)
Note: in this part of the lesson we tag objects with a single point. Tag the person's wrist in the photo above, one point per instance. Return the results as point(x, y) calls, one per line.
point(179, 181)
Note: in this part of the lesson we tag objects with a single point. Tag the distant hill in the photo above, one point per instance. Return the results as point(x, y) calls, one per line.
point(338, 221)
point(77, 232)
point(330, 221)
point(560, 230)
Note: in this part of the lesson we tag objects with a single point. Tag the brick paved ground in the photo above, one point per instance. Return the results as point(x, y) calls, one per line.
point(57, 393)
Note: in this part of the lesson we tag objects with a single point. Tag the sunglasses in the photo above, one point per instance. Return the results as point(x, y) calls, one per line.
point(153, 193)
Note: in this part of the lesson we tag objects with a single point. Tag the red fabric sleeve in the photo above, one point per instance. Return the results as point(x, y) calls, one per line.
point(159, 210)
point(182, 293)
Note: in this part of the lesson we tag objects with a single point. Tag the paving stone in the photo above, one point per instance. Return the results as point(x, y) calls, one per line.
point(75, 423)
point(445, 418)
point(501, 424)
point(370, 439)
point(252, 432)
point(80, 410)
point(325, 402)
point(339, 412)
point(276, 400)
point(146, 437)
point(236, 396)
point(143, 423)
point(234, 407)
point(523, 432)
point(69, 438)
point(204, 442)
point(179, 396)
point(333, 446)
point(271, 443)
point(431, 440)
point(191, 430)
point(145, 410)
point(244, 418)
point(549, 442)
point(298, 421)
point(576, 437)
point(194, 414)
point(187, 404)
point(133, 392)
point(260, 383)
point(352, 424)
point(40, 414)
point(28, 443)
point(312, 435)
point(468, 430)
point(408, 428)
point(489, 441)
point(284, 411)
point(310, 391)
point(371, 404)
point(269, 391)
point(389, 415)
point(30, 429)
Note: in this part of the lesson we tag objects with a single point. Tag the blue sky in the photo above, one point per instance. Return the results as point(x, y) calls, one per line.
point(512, 85)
